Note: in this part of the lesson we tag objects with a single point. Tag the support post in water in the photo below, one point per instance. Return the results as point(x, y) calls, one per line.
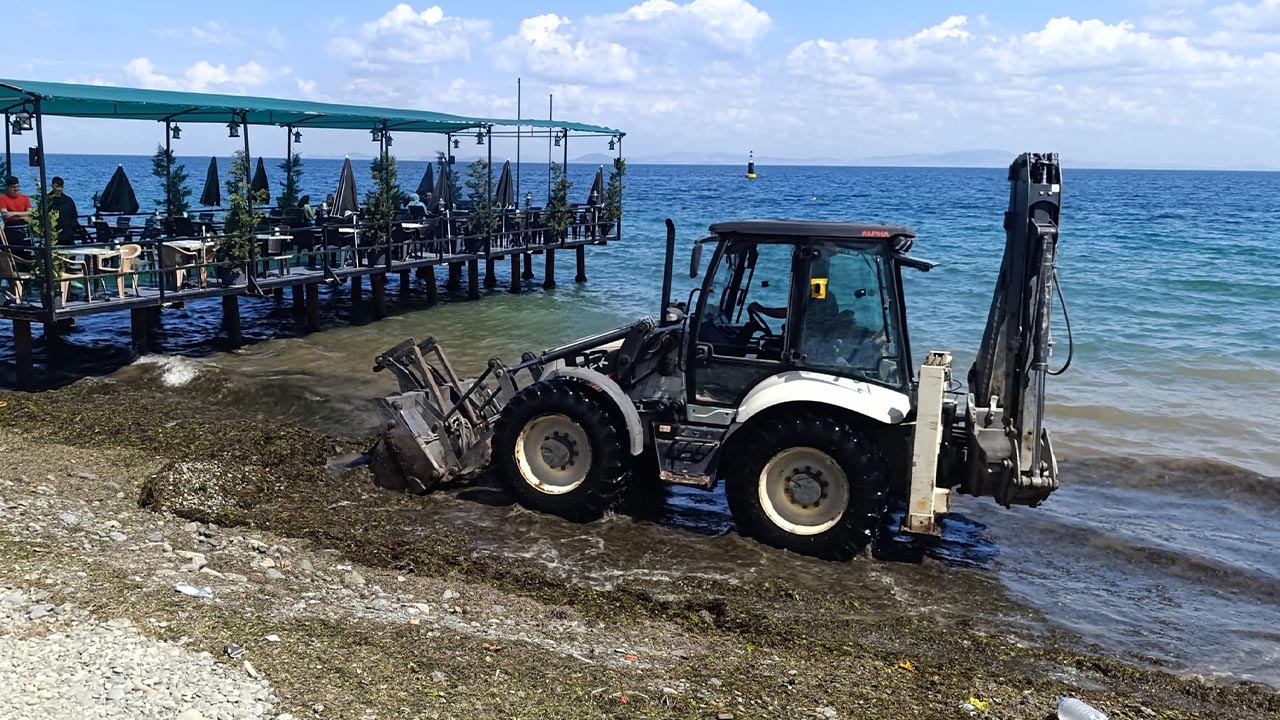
point(490, 280)
point(515, 274)
point(528, 267)
point(299, 301)
point(140, 326)
point(582, 264)
point(22, 352)
point(278, 294)
point(455, 277)
point(378, 286)
point(357, 287)
point(406, 280)
point(231, 318)
point(549, 281)
point(433, 288)
point(473, 279)
point(313, 307)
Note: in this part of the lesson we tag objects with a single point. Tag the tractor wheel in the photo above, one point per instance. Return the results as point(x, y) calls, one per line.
point(809, 485)
point(556, 450)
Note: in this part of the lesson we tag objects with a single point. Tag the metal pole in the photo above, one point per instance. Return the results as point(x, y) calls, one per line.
point(488, 193)
point(49, 279)
point(168, 170)
point(386, 188)
point(551, 106)
point(248, 170)
point(620, 206)
point(288, 158)
point(8, 150)
point(519, 132)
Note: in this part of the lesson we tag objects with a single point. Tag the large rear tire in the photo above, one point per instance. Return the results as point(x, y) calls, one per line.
point(556, 450)
point(811, 485)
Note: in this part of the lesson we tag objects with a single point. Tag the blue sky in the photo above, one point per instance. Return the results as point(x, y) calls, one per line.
point(1131, 82)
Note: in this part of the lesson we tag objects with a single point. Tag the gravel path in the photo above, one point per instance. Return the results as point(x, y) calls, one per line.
point(56, 662)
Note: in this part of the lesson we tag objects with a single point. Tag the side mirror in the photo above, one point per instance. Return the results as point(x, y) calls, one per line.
point(695, 260)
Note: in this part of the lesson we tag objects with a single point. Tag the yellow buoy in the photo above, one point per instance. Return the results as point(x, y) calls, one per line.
point(751, 165)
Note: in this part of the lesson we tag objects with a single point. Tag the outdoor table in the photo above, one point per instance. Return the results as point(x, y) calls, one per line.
point(95, 256)
point(281, 256)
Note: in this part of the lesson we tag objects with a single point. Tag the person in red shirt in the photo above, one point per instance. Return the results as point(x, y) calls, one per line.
point(15, 206)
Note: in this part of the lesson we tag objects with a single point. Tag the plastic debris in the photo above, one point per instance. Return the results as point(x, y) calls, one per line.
point(1070, 708)
point(199, 591)
point(981, 705)
point(233, 651)
point(273, 638)
point(906, 665)
point(631, 658)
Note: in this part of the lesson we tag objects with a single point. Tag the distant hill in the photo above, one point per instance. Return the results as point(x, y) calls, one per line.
point(957, 158)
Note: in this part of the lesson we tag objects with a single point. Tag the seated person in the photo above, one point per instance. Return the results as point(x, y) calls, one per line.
point(304, 204)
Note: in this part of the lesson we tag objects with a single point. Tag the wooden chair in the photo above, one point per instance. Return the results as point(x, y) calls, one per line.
point(127, 266)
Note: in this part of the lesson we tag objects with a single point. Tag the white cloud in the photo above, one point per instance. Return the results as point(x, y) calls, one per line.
point(731, 25)
point(210, 33)
point(203, 76)
point(1259, 17)
point(548, 47)
point(404, 37)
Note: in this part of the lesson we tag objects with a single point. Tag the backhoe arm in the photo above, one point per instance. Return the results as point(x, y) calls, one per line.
point(1009, 454)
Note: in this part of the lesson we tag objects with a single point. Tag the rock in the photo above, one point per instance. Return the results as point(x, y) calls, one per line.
point(827, 712)
point(449, 595)
point(155, 537)
point(305, 566)
point(266, 563)
point(437, 677)
point(191, 714)
point(251, 671)
point(70, 519)
point(724, 716)
point(353, 580)
point(715, 682)
point(274, 574)
point(235, 577)
point(118, 536)
point(13, 598)
point(197, 560)
point(38, 611)
point(82, 474)
point(259, 545)
point(191, 527)
point(115, 693)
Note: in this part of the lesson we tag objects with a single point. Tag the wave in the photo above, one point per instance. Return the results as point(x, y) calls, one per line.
point(175, 370)
point(1206, 477)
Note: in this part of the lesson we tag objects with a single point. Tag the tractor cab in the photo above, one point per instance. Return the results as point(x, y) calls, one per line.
point(800, 296)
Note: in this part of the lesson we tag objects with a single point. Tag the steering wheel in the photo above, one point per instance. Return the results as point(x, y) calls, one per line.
point(758, 319)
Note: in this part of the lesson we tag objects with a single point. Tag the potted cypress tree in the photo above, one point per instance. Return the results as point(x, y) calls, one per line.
point(35, 225)
point(613, 197)
point(235, 248)
point(382, 201)
point(560, 214)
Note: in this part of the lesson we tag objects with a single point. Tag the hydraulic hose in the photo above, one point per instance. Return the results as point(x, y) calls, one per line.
point(1066, 316)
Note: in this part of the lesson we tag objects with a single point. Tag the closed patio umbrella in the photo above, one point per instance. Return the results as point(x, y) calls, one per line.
point(118, 196)
point(212, 195)
point(505, 194)
point(427, 185)
point(260, 187)
point(344, 198)
point(596, 196)
point(442, 197)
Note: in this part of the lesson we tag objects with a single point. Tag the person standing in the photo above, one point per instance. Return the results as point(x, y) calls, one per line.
point(15, 206)
point(68, 215)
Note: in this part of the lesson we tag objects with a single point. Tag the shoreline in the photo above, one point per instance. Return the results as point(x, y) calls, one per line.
point(325, 561)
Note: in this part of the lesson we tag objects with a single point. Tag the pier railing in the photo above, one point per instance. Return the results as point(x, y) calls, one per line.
point(118, 269)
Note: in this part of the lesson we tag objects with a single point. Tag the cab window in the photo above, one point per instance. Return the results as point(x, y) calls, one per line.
point(849, 326)
point(746, 305)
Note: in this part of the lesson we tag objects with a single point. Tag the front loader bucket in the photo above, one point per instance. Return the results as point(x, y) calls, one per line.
point(398, 463)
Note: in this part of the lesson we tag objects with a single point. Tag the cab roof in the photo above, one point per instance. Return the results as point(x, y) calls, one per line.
point(811, 228)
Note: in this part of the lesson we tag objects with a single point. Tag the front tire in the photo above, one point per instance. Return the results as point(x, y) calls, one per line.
point(811, 485)
point(556, 450)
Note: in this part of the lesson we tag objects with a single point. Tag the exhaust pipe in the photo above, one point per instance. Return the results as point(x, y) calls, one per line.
point(666, 272)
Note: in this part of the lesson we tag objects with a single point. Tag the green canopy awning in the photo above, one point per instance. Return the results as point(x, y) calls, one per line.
point(121, 103)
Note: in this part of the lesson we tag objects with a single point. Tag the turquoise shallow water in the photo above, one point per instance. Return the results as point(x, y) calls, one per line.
point(1162, 541)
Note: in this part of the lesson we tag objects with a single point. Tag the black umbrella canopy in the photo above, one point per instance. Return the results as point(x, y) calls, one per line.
point(505, 196)
point(118, 196)
point(596, 196)
point(427, 185)
point(260, 187)
point(344, 198)
point(442, 196)
point(212, 195)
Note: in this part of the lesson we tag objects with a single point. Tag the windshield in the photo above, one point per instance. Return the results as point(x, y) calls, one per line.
point(850, 328)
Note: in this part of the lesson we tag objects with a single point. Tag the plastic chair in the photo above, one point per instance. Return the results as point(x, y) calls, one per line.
point(15, 271)
point(127, 265)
